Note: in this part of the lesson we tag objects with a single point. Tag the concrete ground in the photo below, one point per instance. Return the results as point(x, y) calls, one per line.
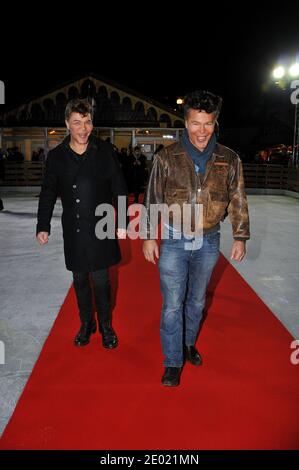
point(34, 281)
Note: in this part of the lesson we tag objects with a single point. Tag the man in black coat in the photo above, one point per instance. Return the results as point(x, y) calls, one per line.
point(84, 172)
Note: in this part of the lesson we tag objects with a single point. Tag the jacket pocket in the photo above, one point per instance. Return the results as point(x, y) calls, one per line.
point(177, 195)
point(216, 207)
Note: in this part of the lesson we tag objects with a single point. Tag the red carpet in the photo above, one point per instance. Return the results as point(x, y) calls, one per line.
point(245, 396)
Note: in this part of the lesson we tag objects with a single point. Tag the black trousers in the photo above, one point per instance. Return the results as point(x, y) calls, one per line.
point(99, 283)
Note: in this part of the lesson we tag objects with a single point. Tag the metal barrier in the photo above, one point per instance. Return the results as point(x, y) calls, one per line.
point(271, 177)
point(255, 176)
point(23, 174)
point(265, 176)
point(293, 180)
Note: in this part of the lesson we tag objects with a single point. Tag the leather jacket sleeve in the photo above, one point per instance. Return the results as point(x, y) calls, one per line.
point(155, 193)
point(238, 208)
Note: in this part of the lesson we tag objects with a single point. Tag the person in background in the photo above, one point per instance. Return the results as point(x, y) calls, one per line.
point(137, 173)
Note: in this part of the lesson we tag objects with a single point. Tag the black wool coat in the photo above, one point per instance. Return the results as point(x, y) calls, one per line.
point(82, 183)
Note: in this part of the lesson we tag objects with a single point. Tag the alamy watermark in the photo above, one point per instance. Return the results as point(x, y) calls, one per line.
point(294, 358)
point(2, 92)
point(295, 93)
point(177, 222)
point(2, 353)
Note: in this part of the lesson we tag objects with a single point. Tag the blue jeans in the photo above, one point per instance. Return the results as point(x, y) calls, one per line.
point(185, 271)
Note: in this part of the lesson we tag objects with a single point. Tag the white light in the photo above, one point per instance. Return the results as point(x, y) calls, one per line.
point(294, 70)
point(167, 136)
point(279, 72)
point(179, 101)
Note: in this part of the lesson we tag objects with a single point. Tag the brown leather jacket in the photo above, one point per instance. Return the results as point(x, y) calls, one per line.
point(173, 180)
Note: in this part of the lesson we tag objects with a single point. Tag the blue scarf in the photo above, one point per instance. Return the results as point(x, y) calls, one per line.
point(199, 158)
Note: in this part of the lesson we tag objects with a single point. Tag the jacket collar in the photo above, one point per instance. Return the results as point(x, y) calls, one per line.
point(93, 141)
point(178, 149)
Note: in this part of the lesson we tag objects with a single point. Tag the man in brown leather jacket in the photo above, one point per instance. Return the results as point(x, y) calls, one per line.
point(199, 172)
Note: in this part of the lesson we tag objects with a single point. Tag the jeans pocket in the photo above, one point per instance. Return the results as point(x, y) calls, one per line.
point(213, 238)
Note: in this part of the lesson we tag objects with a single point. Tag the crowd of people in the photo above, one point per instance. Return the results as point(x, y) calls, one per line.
point(279, 154)
point(11, 154)
point(133, 162)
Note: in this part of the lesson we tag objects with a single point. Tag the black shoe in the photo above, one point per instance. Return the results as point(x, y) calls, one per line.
point(171, 376)
point(109, 338)
point(193, 356)
point(82, 337)
point(1, 205)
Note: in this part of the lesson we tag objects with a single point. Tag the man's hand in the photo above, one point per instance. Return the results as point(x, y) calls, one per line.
point(150, 250)
point(42, 237)
point(238, 250)
point(121, 233)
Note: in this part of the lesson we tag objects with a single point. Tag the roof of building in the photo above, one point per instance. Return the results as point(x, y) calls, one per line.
point(114, 105)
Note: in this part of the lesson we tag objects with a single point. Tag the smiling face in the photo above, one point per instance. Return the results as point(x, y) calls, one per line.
point(200, 127)
point(80, 128)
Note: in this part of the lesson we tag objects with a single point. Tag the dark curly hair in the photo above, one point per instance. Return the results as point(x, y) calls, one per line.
point(202, 101)
point(78, 105)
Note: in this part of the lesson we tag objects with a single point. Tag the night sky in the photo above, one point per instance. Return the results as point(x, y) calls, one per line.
point(229, 51)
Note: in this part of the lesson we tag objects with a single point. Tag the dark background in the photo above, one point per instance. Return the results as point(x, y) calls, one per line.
point(229, 50)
